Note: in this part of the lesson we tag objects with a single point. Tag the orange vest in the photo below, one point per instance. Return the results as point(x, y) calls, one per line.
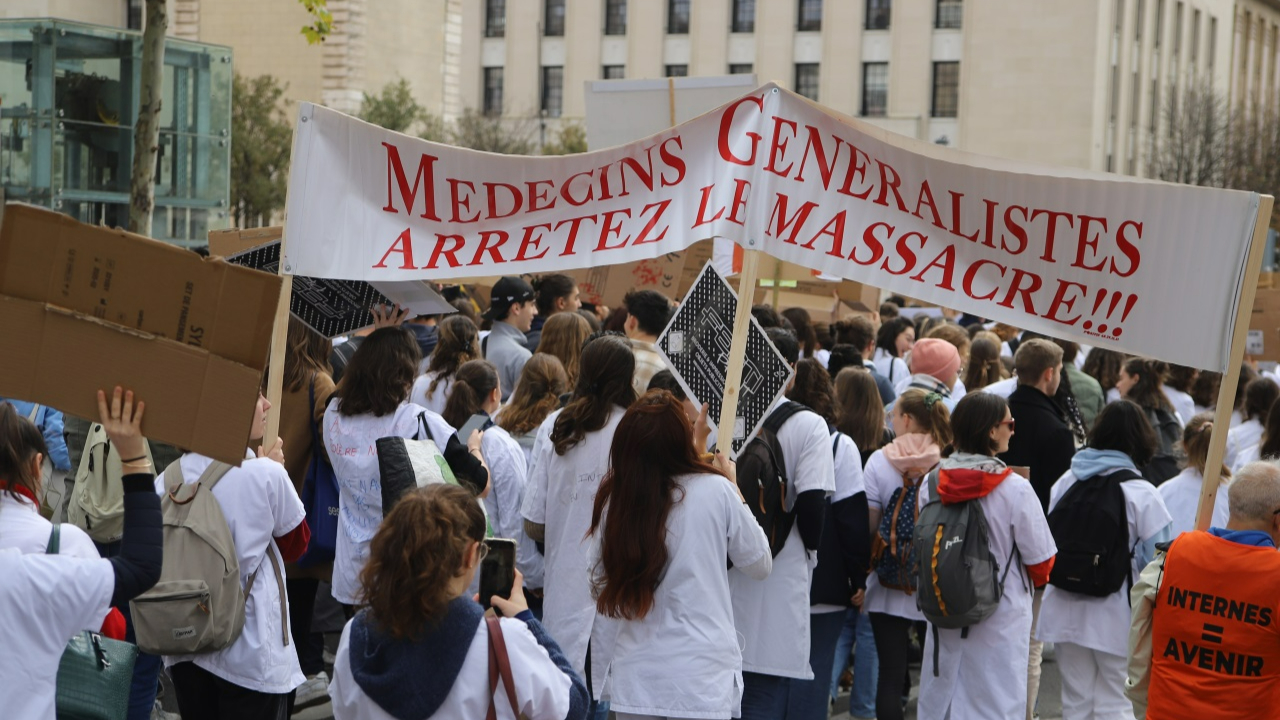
point(1215, 636)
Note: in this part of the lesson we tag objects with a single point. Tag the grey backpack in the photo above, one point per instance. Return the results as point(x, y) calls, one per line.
point(959, 581)
point(198, 606)
point(97, 498)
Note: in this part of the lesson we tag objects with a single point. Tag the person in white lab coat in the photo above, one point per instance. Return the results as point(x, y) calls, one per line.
point(773, 615)
point(923, 427)
point(48, 599)
point(982, 673)
point(420, 649)
point(1091, 633)
point(1268, 445)
point(662, 526)
point(894, 339)
point(1178, 389)
point(459, 343)
point(1259, 395)
point(371, 402)
point(1181, 493)
point(570, 458)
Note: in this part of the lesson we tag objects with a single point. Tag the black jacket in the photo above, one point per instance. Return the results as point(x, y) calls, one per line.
point(844, 552)
point(1041, 440)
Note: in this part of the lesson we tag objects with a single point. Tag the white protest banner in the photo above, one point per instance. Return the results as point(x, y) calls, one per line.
point(1104, 259)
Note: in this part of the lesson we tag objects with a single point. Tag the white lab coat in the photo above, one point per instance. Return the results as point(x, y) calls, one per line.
point(260, 503)
point(984, 675)
point(560, 495)
point(1181, 495)
point(1182, 404)
point(882, 479)
point(1003, 388)
point(1101, 623)
point(682, 659)
point(893, 368)
point(436, 402)
point(773, 614)
point(1248, 432)
point(47, 600)
point(542, 690)
point(22, 527)
point(1253, 453)
point(351, 443)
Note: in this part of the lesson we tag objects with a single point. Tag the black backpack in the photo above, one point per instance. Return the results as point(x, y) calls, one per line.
point(1091, 529)
point(762, 477)
point(1164, 463)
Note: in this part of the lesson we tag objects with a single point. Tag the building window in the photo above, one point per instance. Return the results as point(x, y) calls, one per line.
point(1177, 29)
point(1213, 45)
point(810, 16)
point(948, 15)
point(1155, 41)
point(134, 21)
point(615, 17)
point(614, 72)
point(495, 18)
point(493, 91)
point(807, 80)
point(740, 68)
point(552, 91)
point(946, 89)
point(878, 14)
point(677, 17)
point(875, 89)
point(676, 71)
point(1137, 21)
point(553, 18)
point(1195, 37)
point(744, 16)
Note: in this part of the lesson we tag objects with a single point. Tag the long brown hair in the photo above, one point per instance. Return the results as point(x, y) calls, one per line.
point(1104, 366)
point(1148, 391)
point(562, 336)
point(813, 389)
point(537, 395)
point(930, 413)
point(984, 366)
point(608, 365)
point(1195, 444)
point(1269, 447)
point(308, 354)
point(859, 409)
point(804, 331)
point(20, 440)
point(380, 374)
point(417, 551)
point(459, 342)
point(652, 447)
point(472, 384)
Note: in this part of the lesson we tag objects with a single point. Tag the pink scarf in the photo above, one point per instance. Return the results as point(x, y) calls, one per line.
point(913, 455)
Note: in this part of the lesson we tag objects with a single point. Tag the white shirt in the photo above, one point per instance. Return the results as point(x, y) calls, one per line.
point(561, 495)
point(260, 504)
point(683, 659)
point(352, 446)
point(22, 527)
point(507, 478)
point(1003, 388)
point(1253, 453)
point(1181, 495)
point(773, 614)
point(1182, 403)
point(822, 355)
point(1101, 623)
point(882, 479)
point(542, 690)
point(1239, 437)
point(62, 596)
point(893, 368)
point(974, 672)
point(434, 403)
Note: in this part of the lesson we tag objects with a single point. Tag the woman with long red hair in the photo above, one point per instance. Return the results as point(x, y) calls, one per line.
point(660, 567)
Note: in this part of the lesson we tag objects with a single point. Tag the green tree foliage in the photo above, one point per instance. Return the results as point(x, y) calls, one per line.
point(321, 21)
point(572, 140)
point(395, 108)
point(261, 140)
point(508, 136)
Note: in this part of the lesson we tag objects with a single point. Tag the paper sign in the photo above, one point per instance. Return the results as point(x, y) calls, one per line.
point(338, 307)
point(1254, 344)
point(695, 345)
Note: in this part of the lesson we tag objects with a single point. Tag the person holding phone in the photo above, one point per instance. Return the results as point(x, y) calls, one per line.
point(420, 648)
point(660, 567)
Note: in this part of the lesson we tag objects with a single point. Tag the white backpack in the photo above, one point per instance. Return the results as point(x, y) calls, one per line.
point(97, 498)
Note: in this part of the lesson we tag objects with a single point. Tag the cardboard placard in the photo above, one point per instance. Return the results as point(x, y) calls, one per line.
point(1264, 322)
point(330, 307)
point(695, 345)
point(96, 307)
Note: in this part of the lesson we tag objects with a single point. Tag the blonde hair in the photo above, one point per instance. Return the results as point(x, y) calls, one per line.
point(929, 411)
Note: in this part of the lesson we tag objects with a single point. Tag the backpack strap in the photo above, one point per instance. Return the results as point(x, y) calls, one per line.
point(35, 412)
point(55, 540)
point(424, 429)
point(499, 668)
point(781, 414)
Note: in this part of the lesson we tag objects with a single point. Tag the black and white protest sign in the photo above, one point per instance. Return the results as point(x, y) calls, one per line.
point(695, 345)
point(339, 307)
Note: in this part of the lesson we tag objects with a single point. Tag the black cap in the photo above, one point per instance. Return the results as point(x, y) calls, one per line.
point(506, 292)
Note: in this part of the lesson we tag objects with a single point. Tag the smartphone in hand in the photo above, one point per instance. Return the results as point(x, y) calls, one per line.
point(497, 570)
point(479, 421)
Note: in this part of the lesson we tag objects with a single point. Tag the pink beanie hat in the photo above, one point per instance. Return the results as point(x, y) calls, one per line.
point(934, 357)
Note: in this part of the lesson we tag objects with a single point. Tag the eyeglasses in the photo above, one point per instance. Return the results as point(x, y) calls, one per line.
point(483, 551)
point(1007, 422)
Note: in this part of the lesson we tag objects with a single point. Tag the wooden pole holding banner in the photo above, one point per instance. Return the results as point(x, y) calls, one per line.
point(737, 349)
point(279, 344)
point(1231, 378)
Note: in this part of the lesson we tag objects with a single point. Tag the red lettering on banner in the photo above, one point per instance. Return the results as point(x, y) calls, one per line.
point(702, 218)
point(491, 190)
point(905, 253)
point(1018, 232)
point(926, 200)
point(991, 222)
point(778, 147)
point(605, 194)
point(449, 254)
point(1128, 248)
point(1089, 241)
point(1061, 301)
point(492, 249)
point(661, 207)
point(461, 202)
point(672, 161)
point(409, 196)
point(726, 123)
point(530, 241)
point(402, 245)
point(889, 180)
point(535, 197)
point(834, 229)
point(795, 223)
point(644, 174)
point(873, 243)
point(574, 225)
point(1051, 230)
point(1015, 288)
point(856, 169)
point(568, 186)
point(740, 188)
point(972, 273)
point(945, 260)
point(607, 228)
point(825, 169)
point(955, 217)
